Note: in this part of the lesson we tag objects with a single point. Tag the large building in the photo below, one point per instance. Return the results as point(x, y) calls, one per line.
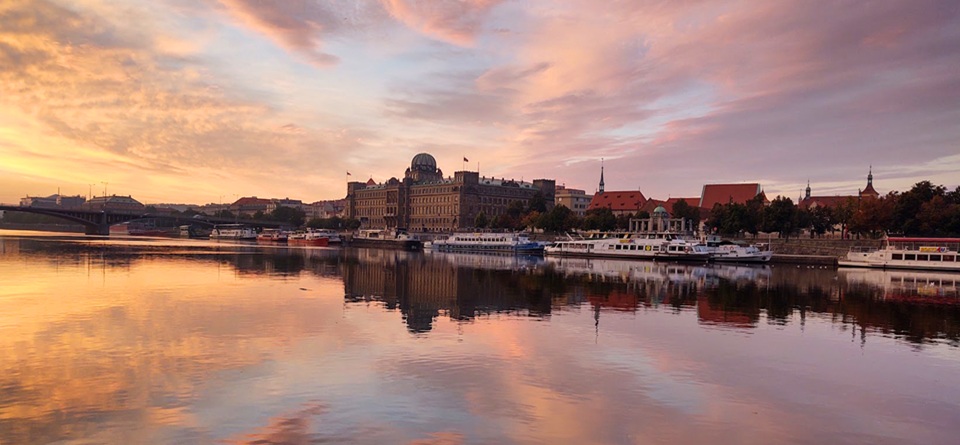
point(573, 199)
point(810, 202)
point(114, 203)
point(425, 200)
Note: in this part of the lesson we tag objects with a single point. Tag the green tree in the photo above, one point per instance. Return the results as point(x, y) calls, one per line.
point(559, 219)
point(821, 220)
point(480, 221)
point(537, 203)
point(290, 215)
point(781, 216)
point(683, 210)
point(601, 218)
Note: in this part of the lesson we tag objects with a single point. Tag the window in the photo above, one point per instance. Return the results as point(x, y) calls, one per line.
point(922, 258)
point(935, 257)
point(910, 257)
point(898, 256)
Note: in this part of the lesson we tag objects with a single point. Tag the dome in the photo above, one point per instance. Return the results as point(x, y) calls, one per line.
point(423, 161)
point(659, 209)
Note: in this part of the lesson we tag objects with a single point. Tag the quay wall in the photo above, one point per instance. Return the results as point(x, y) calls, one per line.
point(71, 228)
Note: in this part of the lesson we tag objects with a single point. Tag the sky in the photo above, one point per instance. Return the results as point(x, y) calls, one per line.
point(204, 101)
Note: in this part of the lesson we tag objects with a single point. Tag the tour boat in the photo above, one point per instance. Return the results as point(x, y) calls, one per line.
point(660, 246)
point(308, 238)
point(233, 232)
point(146, 227)
point(386, 239)
point(908, 253)
point(272, 236)
point(487, 242)
point(731, 252)
point(331, 235)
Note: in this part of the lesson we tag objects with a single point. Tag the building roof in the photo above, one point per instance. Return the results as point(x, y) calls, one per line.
point(823, 201)
point(252, 201)
point(725, 193)
point(692, 202)
point(870, 191)
point(630, 200)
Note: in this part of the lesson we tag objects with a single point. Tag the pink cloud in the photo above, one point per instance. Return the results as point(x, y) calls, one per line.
point(295, 25)
point(452, 21)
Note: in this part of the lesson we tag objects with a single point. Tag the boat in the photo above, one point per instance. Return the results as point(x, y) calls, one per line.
point(143, 227)
point(272, 236)
point(735, 252)
point(332, 236)
point(486, 242)
point(308, 238)
point(386, 239)
point(649, 246)
point(907, 253)
point(233, 232)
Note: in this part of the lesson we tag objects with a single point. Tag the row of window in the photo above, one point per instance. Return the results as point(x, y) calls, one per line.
point(925, 257)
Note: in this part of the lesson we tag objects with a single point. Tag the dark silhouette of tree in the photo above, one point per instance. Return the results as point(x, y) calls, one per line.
point(480, 221)
point(537, 203)
point(601, 218)
point(291, 215)
point(781, 216)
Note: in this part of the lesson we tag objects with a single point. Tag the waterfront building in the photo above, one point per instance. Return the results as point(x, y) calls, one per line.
point(660, 221)
point(809, 201)
point(115, 203)
point(713, 194)
point(249, 205)
point(573, 199)
point(425, 200)
point(57, 201)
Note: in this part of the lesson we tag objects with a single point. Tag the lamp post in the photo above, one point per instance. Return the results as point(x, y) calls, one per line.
point(105, 188)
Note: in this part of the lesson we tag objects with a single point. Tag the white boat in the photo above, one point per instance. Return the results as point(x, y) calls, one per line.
point(233, 232)
point(486, 242)
point(332, 236)
point(308, 238)
point(732, 252)
point(667, 246)
point(908, 253)
point(386, 239)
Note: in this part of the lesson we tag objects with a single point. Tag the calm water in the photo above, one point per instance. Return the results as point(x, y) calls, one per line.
point(178, 341)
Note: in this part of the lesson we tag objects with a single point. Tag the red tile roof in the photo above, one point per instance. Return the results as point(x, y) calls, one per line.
point(824, 201)
point(692, 202)
point(625, 201)
point(251, 201)
point(726, 193)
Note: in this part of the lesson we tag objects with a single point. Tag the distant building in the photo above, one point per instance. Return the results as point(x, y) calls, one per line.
point(713, 194)
point(424, 200)
point(326, 209)
point(249, 205)
point(809, 201)
point(573, 199)
point(115, 203)
point(53, 201)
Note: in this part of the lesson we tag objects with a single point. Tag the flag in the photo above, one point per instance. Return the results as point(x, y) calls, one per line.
point(348, 174)
point(466, 160)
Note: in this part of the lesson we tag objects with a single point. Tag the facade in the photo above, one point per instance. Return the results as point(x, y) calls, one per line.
point(53, 201)
point(424, 200)
point(714, 194)
point(573, 199)
point(114, 202)
point(249, 205)
point(810, 202)
point(625, 202)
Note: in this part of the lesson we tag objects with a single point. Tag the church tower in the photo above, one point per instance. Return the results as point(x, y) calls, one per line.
point(807, 195)
point(601, 175)
point(870, 191)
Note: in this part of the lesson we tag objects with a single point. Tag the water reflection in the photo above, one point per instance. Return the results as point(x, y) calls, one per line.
point(158, 341)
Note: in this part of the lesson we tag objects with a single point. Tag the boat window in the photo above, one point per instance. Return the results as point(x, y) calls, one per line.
point(935, 257)
point(909, 257)
point(922, 258)
point(898, 256)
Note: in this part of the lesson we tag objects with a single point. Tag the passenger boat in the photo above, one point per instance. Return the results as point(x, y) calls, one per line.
point(486, 242)
point(272, 236)
point(386, 239)
point(308, 238)
point(650, 246)
point(144, 227)
point(908, 253)
point(731, 252)
point(233, 232)
point(332, 236)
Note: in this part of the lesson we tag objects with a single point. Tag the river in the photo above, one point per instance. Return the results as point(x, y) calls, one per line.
point(122, 341)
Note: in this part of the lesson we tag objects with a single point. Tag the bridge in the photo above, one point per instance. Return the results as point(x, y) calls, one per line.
point(98, 222)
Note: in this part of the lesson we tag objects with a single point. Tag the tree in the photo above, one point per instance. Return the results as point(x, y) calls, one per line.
point(530, 220)
point(781, 217)
point(558, 219)
point(480, 221)
point(291, 215)
point(601, 218)
point(683, 210)
point(537, 203)
point(821, 219)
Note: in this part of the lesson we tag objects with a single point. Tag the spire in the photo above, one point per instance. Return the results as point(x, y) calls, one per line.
point(870, 177)
point(601, 175)
point(869, 190)
point(807, 196)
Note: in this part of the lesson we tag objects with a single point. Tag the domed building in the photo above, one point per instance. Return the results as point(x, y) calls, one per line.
point(426, 201)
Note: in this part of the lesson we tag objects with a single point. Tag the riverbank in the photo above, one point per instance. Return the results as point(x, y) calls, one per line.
point(69, 228)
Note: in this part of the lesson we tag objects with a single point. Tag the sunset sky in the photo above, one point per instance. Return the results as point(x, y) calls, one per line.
point(195, 101)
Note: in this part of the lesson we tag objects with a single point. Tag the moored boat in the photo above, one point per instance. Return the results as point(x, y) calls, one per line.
point(233, 232)
point(272, 236)
point(908, 253)
point(736, 252)
point(650, 246)
point(386, 239)
point(307, 238)
point(487, 242)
